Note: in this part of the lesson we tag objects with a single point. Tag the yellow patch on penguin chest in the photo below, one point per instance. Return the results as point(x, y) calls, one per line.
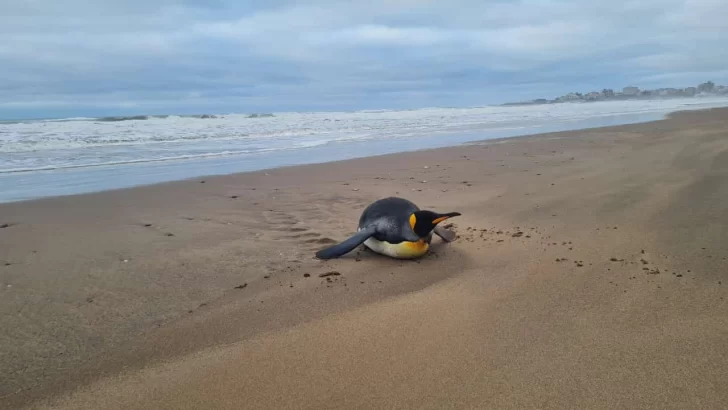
point(402, 250)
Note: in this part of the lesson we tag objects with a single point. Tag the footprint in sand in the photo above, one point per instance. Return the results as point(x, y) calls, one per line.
point(321, 241)
point(280, 221)
point(304, 235)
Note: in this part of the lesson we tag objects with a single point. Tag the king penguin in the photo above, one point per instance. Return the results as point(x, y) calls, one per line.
point(394, 227)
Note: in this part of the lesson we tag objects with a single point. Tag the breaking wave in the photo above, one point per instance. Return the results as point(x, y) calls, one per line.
point(79, 142)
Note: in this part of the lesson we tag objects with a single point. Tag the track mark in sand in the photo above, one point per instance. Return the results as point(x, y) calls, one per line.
point(321, 241)
point(289, 223)
point(304, 235)
point(281, 221)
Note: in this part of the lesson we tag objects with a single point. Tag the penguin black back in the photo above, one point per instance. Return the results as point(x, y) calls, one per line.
point(391, 216)
point(388, 208)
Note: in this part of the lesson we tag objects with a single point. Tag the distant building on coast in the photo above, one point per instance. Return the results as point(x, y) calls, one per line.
point(593, 96)
point(704, 89)
point(630, 90)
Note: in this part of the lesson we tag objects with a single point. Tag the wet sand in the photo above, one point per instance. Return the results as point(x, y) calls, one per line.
point(591, 272)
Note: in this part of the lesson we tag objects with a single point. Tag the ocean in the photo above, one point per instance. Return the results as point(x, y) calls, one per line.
point(40, 158)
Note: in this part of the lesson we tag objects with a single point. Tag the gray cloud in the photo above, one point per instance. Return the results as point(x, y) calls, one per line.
point(107, 57)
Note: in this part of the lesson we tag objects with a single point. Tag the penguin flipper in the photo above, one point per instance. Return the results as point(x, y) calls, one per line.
point(347, 246)
point(445, 234)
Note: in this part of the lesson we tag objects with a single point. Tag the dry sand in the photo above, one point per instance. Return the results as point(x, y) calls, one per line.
point(590, 272)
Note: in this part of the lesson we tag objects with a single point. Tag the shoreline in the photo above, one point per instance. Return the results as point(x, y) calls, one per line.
point(178, 286)
point(30, 185)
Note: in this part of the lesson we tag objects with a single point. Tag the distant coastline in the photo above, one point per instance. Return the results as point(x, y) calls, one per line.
point(706, 89)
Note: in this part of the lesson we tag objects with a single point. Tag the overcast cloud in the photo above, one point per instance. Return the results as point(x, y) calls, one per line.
point(72, 57)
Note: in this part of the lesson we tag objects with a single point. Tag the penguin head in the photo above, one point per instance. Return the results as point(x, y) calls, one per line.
point(423, 222)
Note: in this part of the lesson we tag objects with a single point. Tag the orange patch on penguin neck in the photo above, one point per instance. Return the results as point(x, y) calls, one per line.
point(413, 221)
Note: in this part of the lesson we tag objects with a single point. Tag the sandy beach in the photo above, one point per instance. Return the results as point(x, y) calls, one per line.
point(590, 271)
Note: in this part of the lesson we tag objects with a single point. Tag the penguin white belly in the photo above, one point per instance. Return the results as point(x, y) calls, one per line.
point(402, 250)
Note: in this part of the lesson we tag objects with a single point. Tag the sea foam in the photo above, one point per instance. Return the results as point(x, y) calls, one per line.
point(27, 146)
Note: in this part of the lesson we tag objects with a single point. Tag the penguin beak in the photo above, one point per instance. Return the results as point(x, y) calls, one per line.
point(444, 217)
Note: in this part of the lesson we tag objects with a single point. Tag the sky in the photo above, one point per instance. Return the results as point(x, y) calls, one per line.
point(121, 57)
